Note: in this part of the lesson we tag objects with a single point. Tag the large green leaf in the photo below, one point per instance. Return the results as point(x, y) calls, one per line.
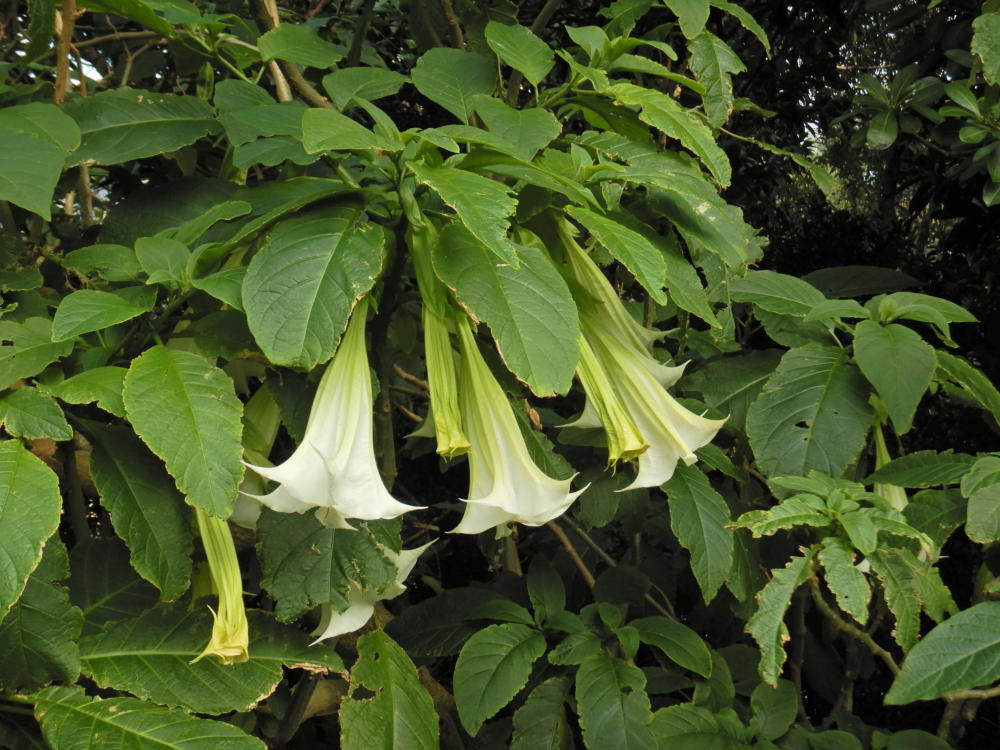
point(698, 517)
point(102, 385)
point(147, 511)
point(641, 257)
point(72, 721)
point(972, 383)
point(120, 125)
point(540, 723)
point(136, 10)
point(986, 44)
point(29, 413)
point(983, 524)
point(924, 469)
point(936, 513)
point(666, 115)
point(731, 383)
point(30, 350)
point(29, 514)
point(185, 409)
point(347, 85)
point(306, 564)
point(324, 129)
point(483, 205)
point(151, 657)
point(962, 652)
point(689, 727)
point(104, 586)
point(493, 666)
point(301, 287)
point(847, 583)
point(613, 705)
point(452, 77)
point(400, 715)
point(297, 43)
point(812, 414)
point(518, 47)
point(713, 63)
point(38, 635)
point(678, 642)
point(87, 310)
point(692, 15)
point(767, 626)
point(776, 292)
point(527, 130)
point(898, 363)
point(529, 308)
point(36, 140)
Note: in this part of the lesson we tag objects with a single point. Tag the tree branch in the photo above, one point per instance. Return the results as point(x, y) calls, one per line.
point(845, 627)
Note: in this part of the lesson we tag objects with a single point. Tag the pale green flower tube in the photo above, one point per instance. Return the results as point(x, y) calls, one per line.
point(230, 640)
point(505, 484)
point(895, 495)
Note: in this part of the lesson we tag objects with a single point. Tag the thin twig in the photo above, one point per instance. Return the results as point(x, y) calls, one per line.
point(419, 382)
point(585, 573)
point(457, 37)
point(841, 624)
point(416, 418)
point(68, 21)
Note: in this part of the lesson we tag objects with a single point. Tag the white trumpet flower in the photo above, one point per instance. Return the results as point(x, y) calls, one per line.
point(361, 601)
point(505, 484)
point(625, 385)
point(333, 470)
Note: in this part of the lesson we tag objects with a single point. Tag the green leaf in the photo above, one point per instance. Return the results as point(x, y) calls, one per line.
point(669, 117)
point(698, 517)
point(713, 61)
point(795, 511)
point(898, 588)
point(883, 129)
point(983, 524)
point(971, 381)
point(529, 308)
point(492, 667)
point(186, 411)
point(846, 582)
point(38, 635)
point(436, 76)
point(812, 414)
point(689, 727)
point(110, 262)
point(678, 642)
point(36, 140)
point(121, 125)
point(164, 259)
point(776, 292)
point(70, 721)
point(643, 259)
point(774, 708)
point(545, 590)
point(29, 514)
point(147, 511)
point(401, 713)
point(30, 350)
point(962, 652)
point(518, 47)
point(924, 469)
point(898, 363)
point(137, 10)
point(326, 130)
point(746, 20)
point(345, 86)
point(686, 290)
point(984, 472)
point(41, 28)
point(438, 626)
point(87, 310)
point(306, 564)
point(104, 586)
point(859, 281)
point(612, 703)
point(297, 43)
point(731, 383)
point(527, 130)
point(767, 626)
point(540, 724)
point(29, 413)
point(936, 513)
point(301, 287)
point(101, 385)
point(151, 657)
point(985, 36)
point(483, 205)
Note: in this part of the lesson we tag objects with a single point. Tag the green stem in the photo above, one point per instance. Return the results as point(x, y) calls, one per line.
point(360, 30)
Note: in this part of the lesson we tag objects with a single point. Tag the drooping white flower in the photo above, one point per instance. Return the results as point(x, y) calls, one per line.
point(625, 385)
point(505, 485)
point(361, 600)
point(333, 470)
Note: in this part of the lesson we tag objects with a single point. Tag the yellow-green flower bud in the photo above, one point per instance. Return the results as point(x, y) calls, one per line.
point(230, 639)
